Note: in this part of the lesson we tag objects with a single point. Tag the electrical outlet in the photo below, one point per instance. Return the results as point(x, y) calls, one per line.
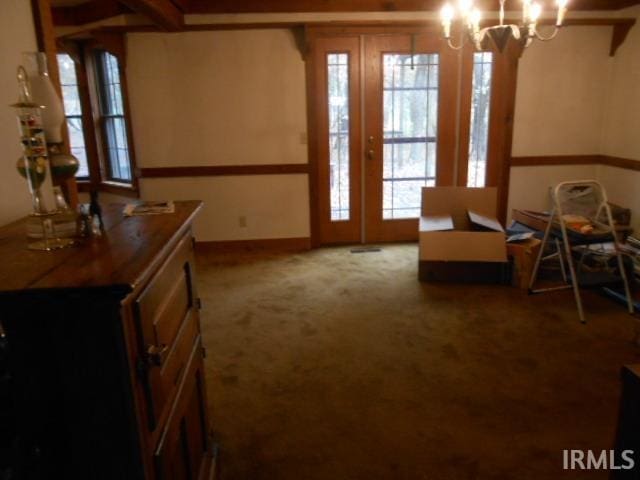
point(303, 138)
point(242, 221)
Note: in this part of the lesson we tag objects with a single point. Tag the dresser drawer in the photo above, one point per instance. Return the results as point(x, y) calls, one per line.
point(167, 322)
point(163, 379)
point(184, 448)
point(162, 306)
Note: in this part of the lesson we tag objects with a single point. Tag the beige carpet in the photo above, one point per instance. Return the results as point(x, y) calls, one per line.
point(332, 365)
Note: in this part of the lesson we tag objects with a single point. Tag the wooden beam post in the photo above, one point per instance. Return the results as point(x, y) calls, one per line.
point(163, 13)
point(620, 32)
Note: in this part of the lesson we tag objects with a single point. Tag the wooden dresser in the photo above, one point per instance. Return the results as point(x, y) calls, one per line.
point(105, 352)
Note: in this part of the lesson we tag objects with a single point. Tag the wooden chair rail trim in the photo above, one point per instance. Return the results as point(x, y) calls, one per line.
point(223, 170)
point(625, 163)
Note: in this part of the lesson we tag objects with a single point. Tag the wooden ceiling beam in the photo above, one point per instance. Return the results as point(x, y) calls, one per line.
point(163, 13)
point(284, 6)
point(92, 11)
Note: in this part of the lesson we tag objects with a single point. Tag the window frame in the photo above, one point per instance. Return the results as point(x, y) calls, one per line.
point(84, 53)
point(104, 116)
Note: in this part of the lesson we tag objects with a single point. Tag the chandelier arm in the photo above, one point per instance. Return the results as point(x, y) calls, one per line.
point(453, 47)
point(556, 30)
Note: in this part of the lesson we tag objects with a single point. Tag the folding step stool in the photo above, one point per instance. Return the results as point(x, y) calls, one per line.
point(585, 198)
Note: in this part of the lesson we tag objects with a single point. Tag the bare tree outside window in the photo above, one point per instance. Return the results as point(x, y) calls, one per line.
point(410, 131)
point(339, 171)
point(480, 108)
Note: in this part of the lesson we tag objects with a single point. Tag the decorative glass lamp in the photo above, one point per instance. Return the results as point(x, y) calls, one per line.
point(34, 166)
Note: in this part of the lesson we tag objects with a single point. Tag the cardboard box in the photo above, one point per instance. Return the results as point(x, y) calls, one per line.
point(459, 224)
point(523, 256)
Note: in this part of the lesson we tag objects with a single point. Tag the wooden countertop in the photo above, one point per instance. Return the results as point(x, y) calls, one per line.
point(121, 259)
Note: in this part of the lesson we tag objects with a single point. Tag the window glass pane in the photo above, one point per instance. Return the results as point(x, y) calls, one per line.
point(71, 100)
point(410, 105)
point(117, 148)
point(480, 107)
point(114, 123)
point(67, 69)
point(338, 107)
point(76, 140)
point(111, 88)
point(73, 111)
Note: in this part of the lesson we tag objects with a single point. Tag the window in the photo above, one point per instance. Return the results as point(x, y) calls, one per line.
point(338, 85)
point(112, 118)
point(73, 112)
point(94, 94)
point(480, 107)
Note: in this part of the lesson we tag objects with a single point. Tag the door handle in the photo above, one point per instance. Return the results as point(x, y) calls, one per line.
point(370, 154)
point(156, 355)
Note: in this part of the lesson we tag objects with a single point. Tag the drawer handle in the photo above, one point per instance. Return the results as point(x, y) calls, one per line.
point(156, 355)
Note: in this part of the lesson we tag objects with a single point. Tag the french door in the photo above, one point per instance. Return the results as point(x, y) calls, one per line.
point(409, 130)
point(389, 114)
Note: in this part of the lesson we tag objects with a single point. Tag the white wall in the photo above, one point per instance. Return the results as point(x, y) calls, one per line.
point(223, 98)
point(621, 132)
point(574, 99)
point(16, 36)
point(529, 186)
point(561, 94)
point(273, 206)
point(623, 188)
point(622, 112)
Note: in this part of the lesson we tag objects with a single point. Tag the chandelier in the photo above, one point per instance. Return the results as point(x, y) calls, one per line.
point(525, 32)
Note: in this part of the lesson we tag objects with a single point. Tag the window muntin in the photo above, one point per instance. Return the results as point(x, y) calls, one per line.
point(339, 158)
point(113, 121)
point(73, 112)
point(480, 109)
point(410, 131)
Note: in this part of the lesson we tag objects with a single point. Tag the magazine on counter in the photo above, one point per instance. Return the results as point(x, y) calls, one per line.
point(148, 208)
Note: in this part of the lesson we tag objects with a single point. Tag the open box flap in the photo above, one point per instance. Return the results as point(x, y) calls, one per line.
point(484, 221)
point(456, 201)
point(436, 223)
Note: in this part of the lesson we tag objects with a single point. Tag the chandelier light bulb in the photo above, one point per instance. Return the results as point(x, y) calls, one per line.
point(526, 7)
point(562, 11)
point(446, 14)
point(465, 7)
point(475, 18)
point(535, 12)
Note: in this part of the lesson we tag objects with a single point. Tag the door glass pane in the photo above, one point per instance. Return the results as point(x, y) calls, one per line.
point(338, 98)
point(480, 106)
point(410, 132)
